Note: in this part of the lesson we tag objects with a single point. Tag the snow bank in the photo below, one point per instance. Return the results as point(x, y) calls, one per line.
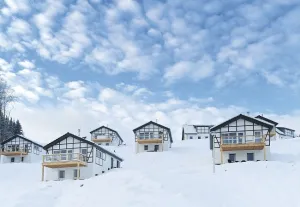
point(179, 177)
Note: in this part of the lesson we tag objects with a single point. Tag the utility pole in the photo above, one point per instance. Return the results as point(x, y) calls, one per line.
point(213, 150)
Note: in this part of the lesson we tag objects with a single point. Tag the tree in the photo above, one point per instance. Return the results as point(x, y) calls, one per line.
point(18, 129)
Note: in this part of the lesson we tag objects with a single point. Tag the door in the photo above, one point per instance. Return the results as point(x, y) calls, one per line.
point(112, 163)
point(118, 164)
point(61, 174)
point(70, 155)
point(250, 156)
point(231, 158)
point(84, 153)
point(156, 148)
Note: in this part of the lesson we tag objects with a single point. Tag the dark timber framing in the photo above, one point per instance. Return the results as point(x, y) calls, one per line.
point(80, 144)
point(22, 142)
point(232, 126)
point(146, 128)
point(109, 132)
point(266, 119)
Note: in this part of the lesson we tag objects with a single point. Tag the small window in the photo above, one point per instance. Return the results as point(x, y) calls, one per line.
point(250, 156)
point(199, 137)
point(107, 144)
point(191, 137)
point(22, 159)
point(61, 174)
point(145, 147)
point(206, 137)
point(12, 159)
point(232, 157)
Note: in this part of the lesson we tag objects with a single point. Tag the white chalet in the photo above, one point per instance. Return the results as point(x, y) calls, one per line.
point(242, 138)
point(285, 133)
point(106, 136)
point(152, 137)
point(20, 149)
point(72, 157)
point(195, 131)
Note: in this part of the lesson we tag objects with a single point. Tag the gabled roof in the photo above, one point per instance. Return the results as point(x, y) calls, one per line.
point(266, 119)
point(189, 129)
point(210, 126)
point(152, 122)
point(108, 129)
point(285, 128)
point(242, 116)
point(15, 136)
point(65, 136)
point(279, 131)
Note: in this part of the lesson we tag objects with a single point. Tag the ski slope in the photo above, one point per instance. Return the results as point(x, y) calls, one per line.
point(179, 177)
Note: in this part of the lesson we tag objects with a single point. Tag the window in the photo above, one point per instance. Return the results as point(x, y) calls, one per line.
point(191, 137)
point(225, 138)
point(12, 159)
point(240, 137)
point(232, 157)
point(84, 153)
point(145, 147)
point(61, 174)
point(250, 156)
point(199, 137)
point(257, 136)
point(63, 154)
point(99, 158)
point(22, 159)
point(107, 144)
point(206, 137)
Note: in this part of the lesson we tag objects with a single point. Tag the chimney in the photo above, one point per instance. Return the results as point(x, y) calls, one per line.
point(248, 113)
point(78, 132)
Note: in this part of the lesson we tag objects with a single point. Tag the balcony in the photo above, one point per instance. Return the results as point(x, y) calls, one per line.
point(154, 140)
point(14, 152)
point(64, 160)
point(101, 139)
point(242, 143)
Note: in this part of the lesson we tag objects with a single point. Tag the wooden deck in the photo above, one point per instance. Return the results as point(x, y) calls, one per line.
point(15, 153)
point(62, 164)
point(149, 141)
point(100, 140)
point(248, 146)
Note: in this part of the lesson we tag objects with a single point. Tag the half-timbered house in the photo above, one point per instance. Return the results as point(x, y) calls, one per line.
point(285, 133)
point(241, 138)
point(20, 149)
point(195, 131)
point(72, 157)
point(152, 137)
point(106, 136)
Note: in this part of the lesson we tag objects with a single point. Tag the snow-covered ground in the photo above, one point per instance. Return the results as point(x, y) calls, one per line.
point(180, 177)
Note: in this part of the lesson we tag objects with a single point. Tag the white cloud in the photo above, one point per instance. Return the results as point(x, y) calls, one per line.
point(19, 27)
point(201, 69)
point(16, 6)
point(27, 64)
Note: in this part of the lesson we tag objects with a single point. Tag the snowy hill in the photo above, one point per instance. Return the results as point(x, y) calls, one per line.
point(179, 177)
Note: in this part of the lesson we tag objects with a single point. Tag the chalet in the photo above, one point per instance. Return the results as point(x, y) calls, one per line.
point(285, 133)
point(241, 138)
point(20, 149)
point(152, 137)
point(106, 136)
point(195, 131)
point(72, 157)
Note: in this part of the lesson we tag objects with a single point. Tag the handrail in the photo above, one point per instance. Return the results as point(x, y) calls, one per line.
point(8, 149)
point(64, 157)
point(242, 139)
point(152, 137)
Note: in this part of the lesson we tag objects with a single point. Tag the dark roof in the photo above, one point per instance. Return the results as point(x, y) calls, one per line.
point(266, 119)
point(241, 116)
point(108, 129)
point(15, 136)
point(285, 128)
point(203, 126)
point(65, 136)
point(152, 122)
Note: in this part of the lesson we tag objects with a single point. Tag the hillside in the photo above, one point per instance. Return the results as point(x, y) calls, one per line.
point(180, 177)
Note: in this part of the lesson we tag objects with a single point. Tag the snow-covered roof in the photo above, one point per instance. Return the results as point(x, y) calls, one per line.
point(189, 129)
point(279, 131)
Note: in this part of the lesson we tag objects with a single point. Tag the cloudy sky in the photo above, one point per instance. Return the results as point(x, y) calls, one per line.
point(85, 63)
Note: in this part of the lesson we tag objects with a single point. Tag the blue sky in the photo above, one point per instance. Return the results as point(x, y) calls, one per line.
point(124, 62)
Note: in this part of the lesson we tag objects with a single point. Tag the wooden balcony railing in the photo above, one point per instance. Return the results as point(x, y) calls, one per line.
point(152, 140)
point(101, 139)
point(64, 160)
point(13, 151)
point(242, 143)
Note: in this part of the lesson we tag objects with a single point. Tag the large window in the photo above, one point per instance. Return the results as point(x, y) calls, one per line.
point(257, 136)
point(146, 135)
point(203, 130)
point(230, 138)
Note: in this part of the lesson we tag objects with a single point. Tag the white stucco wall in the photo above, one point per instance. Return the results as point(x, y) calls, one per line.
point(162, 147)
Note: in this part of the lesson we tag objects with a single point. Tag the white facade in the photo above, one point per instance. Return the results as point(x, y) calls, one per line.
point(196, 131)
point(284, 133)
point(152, 137)
point(241, 139)
point(20, 149)
point(106, 137)
point(70, 149)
